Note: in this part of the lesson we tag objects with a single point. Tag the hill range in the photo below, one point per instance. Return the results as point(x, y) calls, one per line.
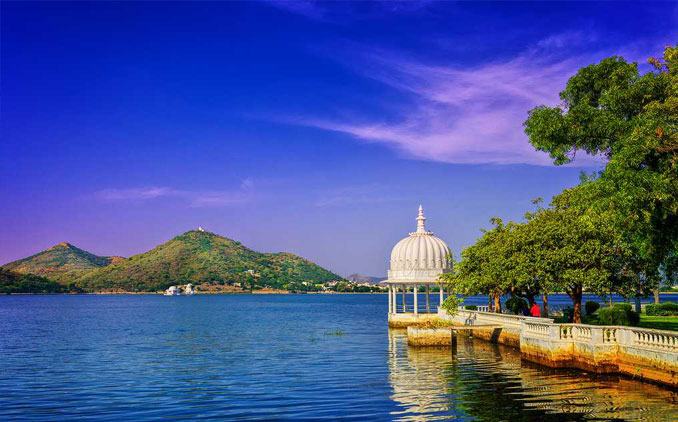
point(197, 257)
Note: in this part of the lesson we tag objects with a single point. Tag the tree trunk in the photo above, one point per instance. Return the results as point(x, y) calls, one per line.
point(656, 296)
point(545, 298)
point(497, 303)
point(490, 298)
point(576, 295)
point(530, 299)
point(638, 304)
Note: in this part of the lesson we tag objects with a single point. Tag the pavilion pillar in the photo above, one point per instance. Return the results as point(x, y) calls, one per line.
point(390, 299)
point(441, 297)
point(394, 296)
point(404, 298)
point(416, 295)
point(428, 301)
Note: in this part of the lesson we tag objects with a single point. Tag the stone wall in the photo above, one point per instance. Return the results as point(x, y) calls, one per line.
point(638, 352)
point(429, 336)
point(406, 320)
point(505, 330)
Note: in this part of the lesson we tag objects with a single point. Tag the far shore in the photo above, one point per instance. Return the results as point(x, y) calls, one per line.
point(256, 292)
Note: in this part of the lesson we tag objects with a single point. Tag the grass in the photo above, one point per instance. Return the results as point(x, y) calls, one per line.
point(659, 322)
point(656, 322)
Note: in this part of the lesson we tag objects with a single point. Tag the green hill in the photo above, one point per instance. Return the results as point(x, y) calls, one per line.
point(13, 282)
point(62, 263)
point(202, 257)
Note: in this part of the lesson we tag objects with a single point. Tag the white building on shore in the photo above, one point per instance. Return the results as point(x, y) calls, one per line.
point(417, 260)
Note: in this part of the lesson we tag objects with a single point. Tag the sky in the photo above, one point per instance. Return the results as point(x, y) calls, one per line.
point(308, 127)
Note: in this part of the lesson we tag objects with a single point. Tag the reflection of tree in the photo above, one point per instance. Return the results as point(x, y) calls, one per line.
point(490, 383)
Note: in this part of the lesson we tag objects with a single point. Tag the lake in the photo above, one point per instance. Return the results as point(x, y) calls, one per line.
point(273, 357)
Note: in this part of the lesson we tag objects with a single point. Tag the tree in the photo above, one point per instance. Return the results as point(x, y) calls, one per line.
point(610, 109)
point(481, 267)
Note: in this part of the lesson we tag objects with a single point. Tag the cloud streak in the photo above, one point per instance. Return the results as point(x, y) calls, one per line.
point(197, 199)
point(355, 194)
point(464, 115)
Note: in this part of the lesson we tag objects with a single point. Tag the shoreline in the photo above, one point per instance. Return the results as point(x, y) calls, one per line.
point(196, 294)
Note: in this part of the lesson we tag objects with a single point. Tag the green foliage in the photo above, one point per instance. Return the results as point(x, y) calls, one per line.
point(662, 309)
point(625, 306)
point(471, 307)
point(618, 316)
point(591, 307)
point(568, 314)
point(451, 304)
point(63, 263)
point(516, 305)
point(632, 119)
point(12, 282)
point(202, 257)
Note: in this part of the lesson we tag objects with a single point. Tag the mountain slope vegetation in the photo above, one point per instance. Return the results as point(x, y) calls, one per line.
point(62, 263)
point(201, 257)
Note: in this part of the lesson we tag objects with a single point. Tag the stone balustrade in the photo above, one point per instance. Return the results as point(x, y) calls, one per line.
point(640, 352)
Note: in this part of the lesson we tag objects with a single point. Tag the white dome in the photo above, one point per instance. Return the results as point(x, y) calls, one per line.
point(420, 256)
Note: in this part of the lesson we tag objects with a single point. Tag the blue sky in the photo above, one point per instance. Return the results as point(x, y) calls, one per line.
point(313, 128)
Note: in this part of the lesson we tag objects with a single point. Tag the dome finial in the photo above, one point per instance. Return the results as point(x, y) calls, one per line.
point(420, 220)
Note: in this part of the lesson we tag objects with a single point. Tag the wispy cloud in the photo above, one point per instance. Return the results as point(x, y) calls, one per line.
point(355, 194)
point(338, 11)
point(198, 198)
point(466, 115)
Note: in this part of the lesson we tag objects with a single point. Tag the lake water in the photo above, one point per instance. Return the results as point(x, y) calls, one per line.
point(273, 357)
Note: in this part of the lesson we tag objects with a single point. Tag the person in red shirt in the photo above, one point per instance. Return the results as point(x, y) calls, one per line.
point(535, 311)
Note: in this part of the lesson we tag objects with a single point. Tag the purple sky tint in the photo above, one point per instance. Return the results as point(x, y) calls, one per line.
point(314, 128)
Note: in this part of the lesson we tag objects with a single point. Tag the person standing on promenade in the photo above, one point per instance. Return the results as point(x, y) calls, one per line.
point(535, 310)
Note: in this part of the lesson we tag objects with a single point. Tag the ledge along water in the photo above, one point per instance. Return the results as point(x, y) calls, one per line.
point(642, 353)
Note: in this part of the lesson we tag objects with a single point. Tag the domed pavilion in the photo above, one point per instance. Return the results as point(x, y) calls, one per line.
point(417, 260)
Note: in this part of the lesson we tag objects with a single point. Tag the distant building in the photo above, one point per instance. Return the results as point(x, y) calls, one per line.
point(172, 291)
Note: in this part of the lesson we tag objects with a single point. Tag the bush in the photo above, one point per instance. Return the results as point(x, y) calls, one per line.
point(591, 307)
point(568, 314)
point(618, 316)
point(626, 306)
point(451, 304)
point(516, 305)
point(471, 307)
point(662, 309)
point(651, 309)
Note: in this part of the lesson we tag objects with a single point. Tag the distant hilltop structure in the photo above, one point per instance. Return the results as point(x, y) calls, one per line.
point(200, 229)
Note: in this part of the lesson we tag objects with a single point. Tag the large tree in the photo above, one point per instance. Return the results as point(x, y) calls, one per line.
point(610, 109)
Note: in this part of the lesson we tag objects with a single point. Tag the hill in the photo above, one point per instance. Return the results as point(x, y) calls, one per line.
point(13, 282)
point(201, 257)
point(62, 263)
point(357, 278)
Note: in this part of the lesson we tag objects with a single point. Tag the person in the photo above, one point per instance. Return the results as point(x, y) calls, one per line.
point(535, 311)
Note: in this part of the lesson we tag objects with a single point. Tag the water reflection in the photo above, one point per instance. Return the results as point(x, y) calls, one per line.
point(489, 382)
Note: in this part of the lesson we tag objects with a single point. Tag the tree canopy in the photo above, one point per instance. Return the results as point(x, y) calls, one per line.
point(617, 231)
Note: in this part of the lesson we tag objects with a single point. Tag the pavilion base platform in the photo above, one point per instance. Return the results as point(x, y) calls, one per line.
point(442, 337)
point(410, 319)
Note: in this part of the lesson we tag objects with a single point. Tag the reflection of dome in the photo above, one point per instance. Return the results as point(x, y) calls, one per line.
point(420, 256)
